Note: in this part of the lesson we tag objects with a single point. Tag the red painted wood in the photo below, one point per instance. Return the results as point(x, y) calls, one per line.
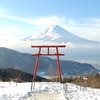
point(58, 62)
point(37, 62)
point(48, 54)
point(45, 46)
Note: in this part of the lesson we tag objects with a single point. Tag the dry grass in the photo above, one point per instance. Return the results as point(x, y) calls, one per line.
point(90, 80)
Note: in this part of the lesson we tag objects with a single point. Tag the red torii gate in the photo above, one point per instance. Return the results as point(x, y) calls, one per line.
point(48, 54)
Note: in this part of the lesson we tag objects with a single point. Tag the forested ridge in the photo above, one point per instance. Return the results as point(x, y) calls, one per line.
point(9, 74)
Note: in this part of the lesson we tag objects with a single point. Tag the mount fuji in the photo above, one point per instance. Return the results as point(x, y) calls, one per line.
point(57, 34)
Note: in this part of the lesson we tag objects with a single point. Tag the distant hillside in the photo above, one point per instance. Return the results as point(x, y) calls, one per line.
point(47, 66)
point(8, 74)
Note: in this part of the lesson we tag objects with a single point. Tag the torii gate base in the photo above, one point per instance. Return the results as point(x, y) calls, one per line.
point(47, 54)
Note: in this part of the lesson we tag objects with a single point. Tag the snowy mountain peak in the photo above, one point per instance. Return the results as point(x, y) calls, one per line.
point(55, 30)
point(53, 26)
point(57, 34)
point(53, 33)
point(50, 33)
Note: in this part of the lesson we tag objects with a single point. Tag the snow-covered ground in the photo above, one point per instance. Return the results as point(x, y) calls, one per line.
point(46, 91)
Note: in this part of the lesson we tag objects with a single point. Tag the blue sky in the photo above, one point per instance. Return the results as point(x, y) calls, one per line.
point(22, 18)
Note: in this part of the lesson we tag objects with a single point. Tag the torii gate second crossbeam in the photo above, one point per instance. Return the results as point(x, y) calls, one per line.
point(57, 54)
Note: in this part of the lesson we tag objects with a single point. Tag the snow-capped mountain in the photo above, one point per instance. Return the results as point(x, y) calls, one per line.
point(56, 34)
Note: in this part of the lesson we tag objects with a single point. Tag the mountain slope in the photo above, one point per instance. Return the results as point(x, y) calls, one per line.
point(47, 66)
point(9, 74)
point(59, 35)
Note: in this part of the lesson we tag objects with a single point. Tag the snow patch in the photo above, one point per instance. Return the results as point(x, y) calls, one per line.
point(54, 91)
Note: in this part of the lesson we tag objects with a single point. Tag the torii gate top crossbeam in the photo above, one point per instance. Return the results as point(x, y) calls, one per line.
point(48, 53)
point(44, 46)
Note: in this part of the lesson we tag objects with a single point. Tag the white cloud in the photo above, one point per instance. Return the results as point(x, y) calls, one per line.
point(45, 20)
point(25, 46)
point(86, 28)
point(9, 30)
point(89, 29)
point(3, 10)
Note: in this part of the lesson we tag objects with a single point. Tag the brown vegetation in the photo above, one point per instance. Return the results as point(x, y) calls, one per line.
point(90, 80)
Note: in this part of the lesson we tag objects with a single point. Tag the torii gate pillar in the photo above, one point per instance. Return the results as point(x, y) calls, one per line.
point(57, 54)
